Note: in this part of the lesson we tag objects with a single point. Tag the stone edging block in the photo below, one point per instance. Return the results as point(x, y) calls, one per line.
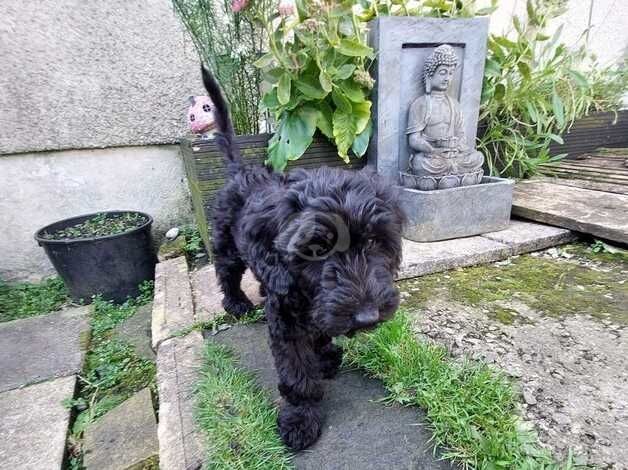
point(178, 364)
point(173, 308)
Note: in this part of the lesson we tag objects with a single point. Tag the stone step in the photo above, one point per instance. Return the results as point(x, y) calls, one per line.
point(208, 296)
point(178, 363)
point(136, 330)
point(125, 437)
point(34, 425)
point(359, 431)
point(418, 259)
point(44, 347)
point(173, 308)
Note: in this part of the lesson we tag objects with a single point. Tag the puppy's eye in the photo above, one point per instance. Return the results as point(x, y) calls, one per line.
point(371, 243)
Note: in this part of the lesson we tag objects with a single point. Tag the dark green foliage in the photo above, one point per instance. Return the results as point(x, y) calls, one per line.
point(26, 299)
point(193, 241)
point(100, 225)
point(238, 418)
point(534, 90)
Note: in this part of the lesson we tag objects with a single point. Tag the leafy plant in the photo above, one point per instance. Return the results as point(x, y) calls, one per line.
point(316, 69)
point(25, 299)
point(229, 43)
point(100, 225)
point(533, 92)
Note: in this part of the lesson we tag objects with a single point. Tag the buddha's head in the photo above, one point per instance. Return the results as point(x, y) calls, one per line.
point(439, 68)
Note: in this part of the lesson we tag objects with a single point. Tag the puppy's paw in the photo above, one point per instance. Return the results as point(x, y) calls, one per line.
point(330, 360)
point(299, 426)
point(237, 307)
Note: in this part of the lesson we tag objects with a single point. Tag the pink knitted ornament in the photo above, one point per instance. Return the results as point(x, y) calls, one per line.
point(201, 116)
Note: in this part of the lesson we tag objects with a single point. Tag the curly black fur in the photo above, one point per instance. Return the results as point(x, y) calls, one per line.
point(325, 245)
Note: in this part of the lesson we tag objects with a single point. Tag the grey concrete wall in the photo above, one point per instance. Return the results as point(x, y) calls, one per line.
point(81, 74)
point(39, 188)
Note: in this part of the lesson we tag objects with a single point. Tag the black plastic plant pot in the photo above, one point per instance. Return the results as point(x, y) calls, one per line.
point(112, 266)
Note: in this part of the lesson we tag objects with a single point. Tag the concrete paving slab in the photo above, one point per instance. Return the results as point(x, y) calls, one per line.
point(178, 363)
point(208, 296)
point(601, 214)
point(136, 330)
point(359, 431)
point(125, 437)
point(173, 308)
point(44, 347)
point(34, 425)
point(524, 237)
point(420, 259)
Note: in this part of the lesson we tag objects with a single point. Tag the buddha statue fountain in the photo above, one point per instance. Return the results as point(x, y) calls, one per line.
point(440, 156)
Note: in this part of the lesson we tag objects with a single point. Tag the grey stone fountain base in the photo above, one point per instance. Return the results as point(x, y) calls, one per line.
point(457, 212)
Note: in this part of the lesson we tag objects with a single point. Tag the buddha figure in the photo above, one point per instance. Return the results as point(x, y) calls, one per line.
point(440, 156)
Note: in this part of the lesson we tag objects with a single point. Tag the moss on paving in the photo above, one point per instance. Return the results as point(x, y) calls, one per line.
point(237, 417)
point(113, 371)
point(554, 287)
point(21, 300)
point(471, 408)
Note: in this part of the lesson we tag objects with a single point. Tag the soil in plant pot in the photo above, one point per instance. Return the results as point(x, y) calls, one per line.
point(100, 225)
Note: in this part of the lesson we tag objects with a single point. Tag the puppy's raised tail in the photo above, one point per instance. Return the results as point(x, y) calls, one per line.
point(225, 137)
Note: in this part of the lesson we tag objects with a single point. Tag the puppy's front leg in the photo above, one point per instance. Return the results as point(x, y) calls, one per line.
point(299, 375)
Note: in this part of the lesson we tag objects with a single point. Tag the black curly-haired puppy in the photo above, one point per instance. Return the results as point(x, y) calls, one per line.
point(325, 245)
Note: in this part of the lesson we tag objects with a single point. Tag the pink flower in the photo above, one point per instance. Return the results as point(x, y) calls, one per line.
point(238, 5)
point(286, 8)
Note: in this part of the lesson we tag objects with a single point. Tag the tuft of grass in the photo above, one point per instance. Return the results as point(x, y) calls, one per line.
point(470, 407)
point(25, 299)
point(193, 241)
point(237, 417)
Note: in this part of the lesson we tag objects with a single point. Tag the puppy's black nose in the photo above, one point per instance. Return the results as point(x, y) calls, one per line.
point(367, 317)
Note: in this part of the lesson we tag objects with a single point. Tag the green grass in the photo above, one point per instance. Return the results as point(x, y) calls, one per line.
point(112, 371)
point(26, 299)
point(237, 417)
point(470, 407)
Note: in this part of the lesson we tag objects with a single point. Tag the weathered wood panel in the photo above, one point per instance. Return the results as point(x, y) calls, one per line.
point(598, 213)
point(205, 169)
point(594, 131)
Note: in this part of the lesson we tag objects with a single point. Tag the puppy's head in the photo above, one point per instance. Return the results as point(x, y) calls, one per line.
point(342, 242)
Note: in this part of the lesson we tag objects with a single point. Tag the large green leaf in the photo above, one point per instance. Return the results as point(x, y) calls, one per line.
point(294, 135)
point(269, 100)
point(353, 48)
point(344, 72)
point(352, 90)
point(264, 61)
point(559, 109)
point(324, 121)
point(325, 81)
point(310, 86)
point(344, 132)
point(283, 89)
point(341, 101)
point(361, 141)
point(362, 114)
